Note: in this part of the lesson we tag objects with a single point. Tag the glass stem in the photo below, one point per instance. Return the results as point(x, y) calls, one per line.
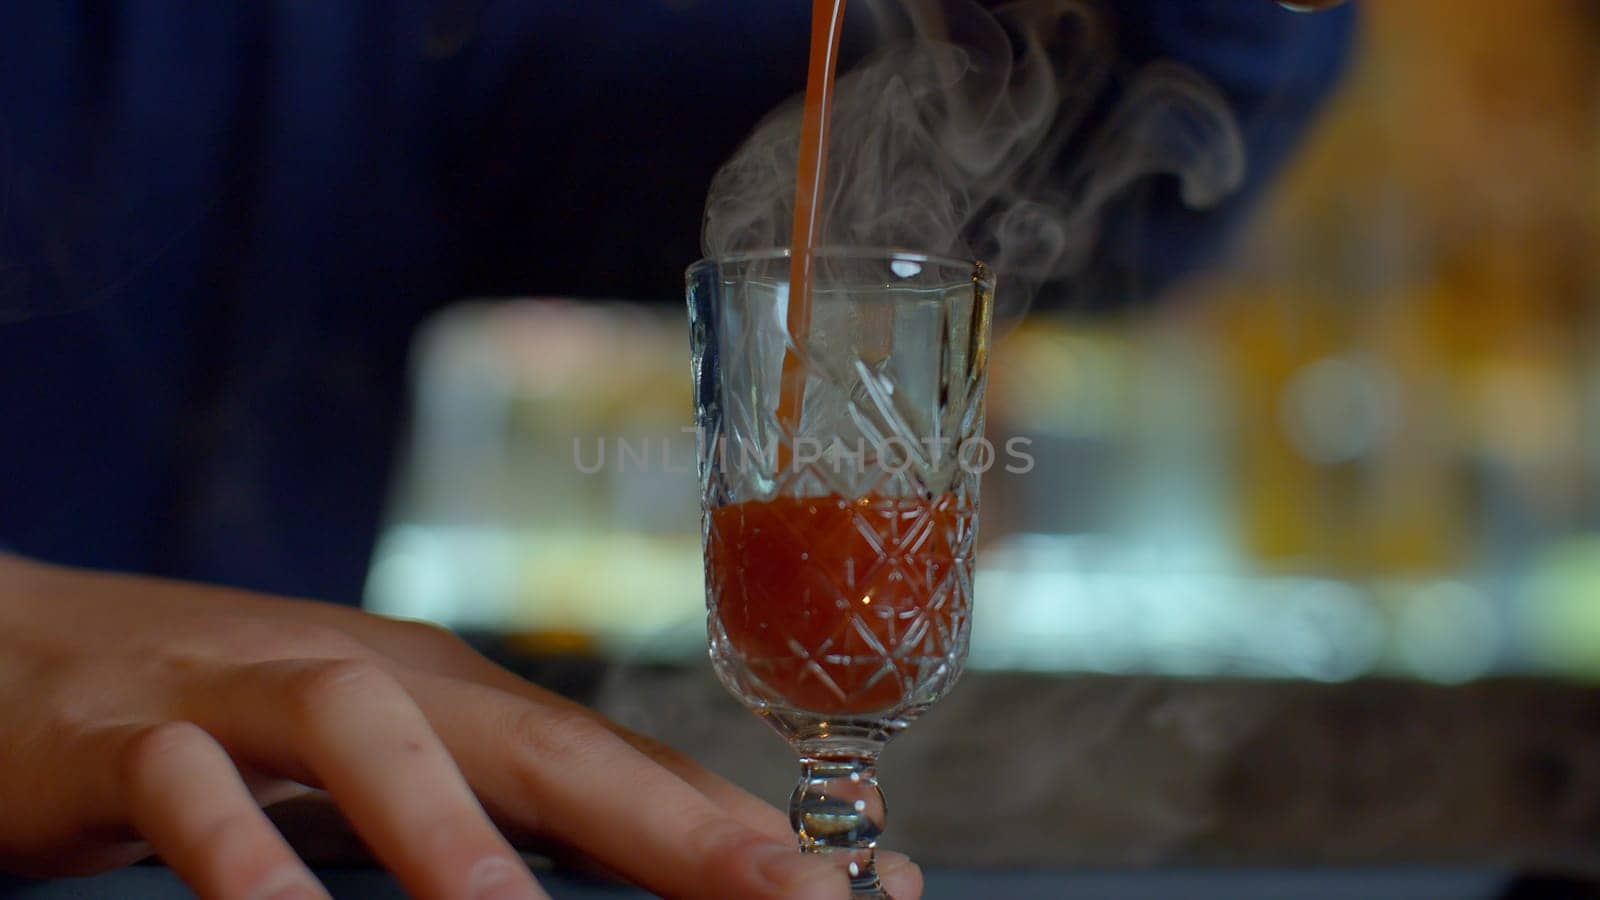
point(838, 810)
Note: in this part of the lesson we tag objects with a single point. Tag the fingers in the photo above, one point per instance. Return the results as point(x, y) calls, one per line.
point(588, 787)
point(434, 651)
point(184, 797)
point(740, 803)
point(901, 877)
point(349, 727)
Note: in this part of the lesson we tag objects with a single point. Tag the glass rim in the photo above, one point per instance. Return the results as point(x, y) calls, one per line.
point(885, 253)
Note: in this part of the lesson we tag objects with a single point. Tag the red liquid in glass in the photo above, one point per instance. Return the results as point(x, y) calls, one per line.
point(840, 606)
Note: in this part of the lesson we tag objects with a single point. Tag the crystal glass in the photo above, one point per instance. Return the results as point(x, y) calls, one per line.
point(839, 547)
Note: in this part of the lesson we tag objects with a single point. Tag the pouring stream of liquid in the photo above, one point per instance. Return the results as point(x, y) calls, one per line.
point(827, 23)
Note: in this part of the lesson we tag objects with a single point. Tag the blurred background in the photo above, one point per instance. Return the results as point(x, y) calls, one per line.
point(1365, 444)
point(1306, 564)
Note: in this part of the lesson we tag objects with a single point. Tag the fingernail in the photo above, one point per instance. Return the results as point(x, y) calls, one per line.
point(899, 873)
point(288, 883)
point(298, 892)
point(500, 879)
point(890, 861)
point(800, 877)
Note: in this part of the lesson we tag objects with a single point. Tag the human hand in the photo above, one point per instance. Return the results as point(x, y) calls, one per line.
point(143, 715)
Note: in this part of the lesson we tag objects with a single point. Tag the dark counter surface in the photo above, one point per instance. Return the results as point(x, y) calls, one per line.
point(1022, 786)
point(1399, 883)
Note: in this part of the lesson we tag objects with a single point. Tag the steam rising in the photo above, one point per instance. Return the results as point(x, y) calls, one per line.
point(963, 135)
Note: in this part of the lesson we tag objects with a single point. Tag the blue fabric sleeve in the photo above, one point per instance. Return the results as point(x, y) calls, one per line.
point(1276, 68)
point(220, 224)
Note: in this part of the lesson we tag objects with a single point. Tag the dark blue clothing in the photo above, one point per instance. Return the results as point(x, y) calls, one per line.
point(220, 223)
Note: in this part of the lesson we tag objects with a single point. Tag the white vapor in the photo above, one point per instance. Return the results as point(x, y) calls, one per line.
point(964, 135)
